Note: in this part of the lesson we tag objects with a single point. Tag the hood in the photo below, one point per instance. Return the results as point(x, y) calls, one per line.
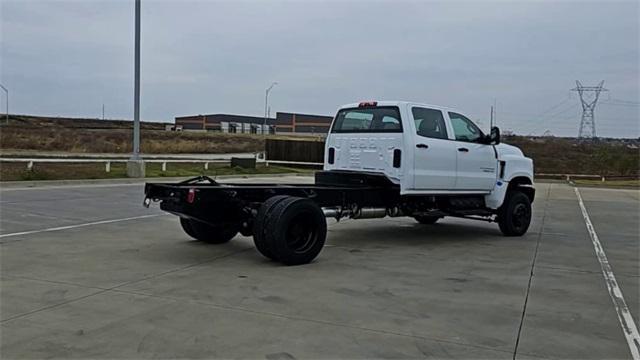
point(504, 150)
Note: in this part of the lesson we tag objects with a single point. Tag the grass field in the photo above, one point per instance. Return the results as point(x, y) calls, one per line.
point(550, 155)
point(68, 171)
point(97, 136)
point(119, 141)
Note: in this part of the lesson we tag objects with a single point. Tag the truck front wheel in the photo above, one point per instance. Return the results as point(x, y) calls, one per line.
point(295, 231)
point(208, 233)
point(514, 216)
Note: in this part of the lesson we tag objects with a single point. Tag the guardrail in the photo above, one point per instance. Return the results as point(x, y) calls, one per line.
point(107, 162)
point(569, 176)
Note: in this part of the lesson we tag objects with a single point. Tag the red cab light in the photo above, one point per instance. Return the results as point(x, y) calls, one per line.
point(191, 196)
point(367, 103)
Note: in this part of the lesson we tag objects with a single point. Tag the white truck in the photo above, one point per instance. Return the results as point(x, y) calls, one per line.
point(386, 158)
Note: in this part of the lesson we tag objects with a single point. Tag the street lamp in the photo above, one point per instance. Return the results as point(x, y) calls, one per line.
point(266, 105)
point(136, 88)
point(135, 165)
point(7, 101)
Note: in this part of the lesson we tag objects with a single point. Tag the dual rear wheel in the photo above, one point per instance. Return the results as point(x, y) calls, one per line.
point(287, 229)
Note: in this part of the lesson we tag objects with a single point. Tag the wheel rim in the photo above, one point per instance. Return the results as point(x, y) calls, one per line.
point(521, 216)
point(302, 234)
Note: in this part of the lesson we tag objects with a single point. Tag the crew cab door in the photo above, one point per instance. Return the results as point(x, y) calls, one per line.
point(476, 163)
point(434, 154)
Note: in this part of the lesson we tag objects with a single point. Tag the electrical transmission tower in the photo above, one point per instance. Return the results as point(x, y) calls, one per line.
point(588, 122)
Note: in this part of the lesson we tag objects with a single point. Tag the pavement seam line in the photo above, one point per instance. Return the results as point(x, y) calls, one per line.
point(533, 265)
point(629, 327)
point(67, 227)
point(47, 281)
point(180, 268)
point(114, 288)
point(297, 318)
point(17, 316)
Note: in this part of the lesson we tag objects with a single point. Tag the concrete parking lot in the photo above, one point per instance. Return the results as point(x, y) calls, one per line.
point(87, 272)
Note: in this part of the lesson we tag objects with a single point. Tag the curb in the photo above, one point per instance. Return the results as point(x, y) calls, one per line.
point(37, 183)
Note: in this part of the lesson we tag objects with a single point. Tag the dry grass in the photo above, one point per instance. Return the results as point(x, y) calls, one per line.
point(569, 156)
point(550, 155)
point(119, 141)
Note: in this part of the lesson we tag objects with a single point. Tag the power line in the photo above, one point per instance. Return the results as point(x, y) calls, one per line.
point(555, 117)
point(619, 104)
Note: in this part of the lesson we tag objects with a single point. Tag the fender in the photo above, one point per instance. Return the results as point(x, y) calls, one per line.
point(512, 166)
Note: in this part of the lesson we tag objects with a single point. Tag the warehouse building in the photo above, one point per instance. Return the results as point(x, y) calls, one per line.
point(283, 123)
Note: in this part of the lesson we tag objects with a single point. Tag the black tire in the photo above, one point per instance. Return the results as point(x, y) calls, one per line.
point(295, 231)
point(186, 226)
point(426, 219)
point(514, 216)
point(208, 233)
point(259, 230)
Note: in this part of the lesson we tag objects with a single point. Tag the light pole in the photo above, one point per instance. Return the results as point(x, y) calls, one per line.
point(7, 101)
point(136, 88)
point(266, 105)
point(135, 165)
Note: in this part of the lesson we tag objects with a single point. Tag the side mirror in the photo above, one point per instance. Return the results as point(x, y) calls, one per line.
point(494, 136)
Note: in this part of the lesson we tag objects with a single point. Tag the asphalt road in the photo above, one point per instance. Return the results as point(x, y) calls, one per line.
point(87, 272)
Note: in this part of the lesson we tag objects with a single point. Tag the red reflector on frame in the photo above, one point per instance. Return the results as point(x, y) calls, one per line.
point(191, 196)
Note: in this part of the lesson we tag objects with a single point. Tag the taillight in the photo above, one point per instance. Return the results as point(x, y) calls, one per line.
point(191, 196)
point(367, 103)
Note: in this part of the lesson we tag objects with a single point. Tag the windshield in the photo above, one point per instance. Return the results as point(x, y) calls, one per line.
point(370, 119)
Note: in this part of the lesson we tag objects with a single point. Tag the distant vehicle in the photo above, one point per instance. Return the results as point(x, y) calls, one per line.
point(173, 127)
point(385, 158)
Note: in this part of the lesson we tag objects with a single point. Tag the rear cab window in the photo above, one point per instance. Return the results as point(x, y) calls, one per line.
point(379, 119)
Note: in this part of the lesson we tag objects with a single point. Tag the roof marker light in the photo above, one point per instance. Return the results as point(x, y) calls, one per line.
point(367, 103)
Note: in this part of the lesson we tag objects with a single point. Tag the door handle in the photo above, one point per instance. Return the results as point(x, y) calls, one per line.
point(463, 149)
point(422, 146)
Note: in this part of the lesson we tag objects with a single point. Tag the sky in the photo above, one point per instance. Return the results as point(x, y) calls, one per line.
point(68, 58)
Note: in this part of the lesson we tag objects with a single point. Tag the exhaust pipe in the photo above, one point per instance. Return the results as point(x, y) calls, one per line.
point(335, 212)
point(369, 213)
point(361, 213)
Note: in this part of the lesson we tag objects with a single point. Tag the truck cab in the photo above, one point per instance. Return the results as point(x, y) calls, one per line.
point(425, 149)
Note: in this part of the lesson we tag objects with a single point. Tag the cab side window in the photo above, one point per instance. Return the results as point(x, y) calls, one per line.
point(429, 123)
point(464, 129)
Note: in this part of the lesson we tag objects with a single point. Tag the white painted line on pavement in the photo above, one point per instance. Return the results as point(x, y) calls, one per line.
point(79, 225)
point(69, 186)
point(629, 327)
